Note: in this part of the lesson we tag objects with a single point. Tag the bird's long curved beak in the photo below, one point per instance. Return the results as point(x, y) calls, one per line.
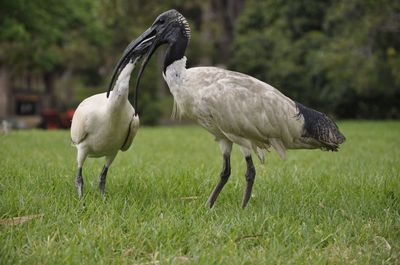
point(136, 48)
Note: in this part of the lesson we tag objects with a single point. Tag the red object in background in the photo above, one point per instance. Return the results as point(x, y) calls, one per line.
point(66, 118)
point(52, 119)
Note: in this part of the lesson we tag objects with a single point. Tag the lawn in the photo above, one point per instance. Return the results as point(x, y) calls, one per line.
point(313, 208)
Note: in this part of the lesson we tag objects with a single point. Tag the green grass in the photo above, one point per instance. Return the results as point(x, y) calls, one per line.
point(314, 208)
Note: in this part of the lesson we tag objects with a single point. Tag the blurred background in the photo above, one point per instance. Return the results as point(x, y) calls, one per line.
point(340, 57)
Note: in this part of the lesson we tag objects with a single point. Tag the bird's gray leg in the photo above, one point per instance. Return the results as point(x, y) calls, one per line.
point(79, 178)
point(226, 148)
point(250, 176)
point(103, 174)
point(102, 180)
point(79, 182)
point(224, 176)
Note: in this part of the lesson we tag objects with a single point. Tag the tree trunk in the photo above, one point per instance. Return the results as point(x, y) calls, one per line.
point(206, 32)
point(227, 11)
point(4, 93)
point(50, 98)
point(68, 87)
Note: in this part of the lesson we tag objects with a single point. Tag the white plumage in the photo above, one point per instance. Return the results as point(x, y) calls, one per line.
point(237, 108)
point(102, 126)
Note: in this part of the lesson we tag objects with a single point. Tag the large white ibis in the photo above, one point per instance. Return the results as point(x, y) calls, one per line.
point(102, 126)
point(234, 107)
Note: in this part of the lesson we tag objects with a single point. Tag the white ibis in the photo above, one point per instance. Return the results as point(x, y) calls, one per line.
point(234, 107)
point(102, 126)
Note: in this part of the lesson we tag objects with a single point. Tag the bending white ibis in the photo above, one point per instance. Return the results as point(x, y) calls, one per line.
point(102, 126)
point(234, 107)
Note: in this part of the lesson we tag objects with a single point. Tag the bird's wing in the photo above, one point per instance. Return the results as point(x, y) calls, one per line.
point(85, 117)
point(245, 107)
point(79, 124)
point(132, 130)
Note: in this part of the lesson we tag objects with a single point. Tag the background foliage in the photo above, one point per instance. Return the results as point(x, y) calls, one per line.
point(341, 57)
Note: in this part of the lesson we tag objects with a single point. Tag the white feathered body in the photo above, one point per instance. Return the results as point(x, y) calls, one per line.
point(239, 108)
point(97, 122)
point(102, 126)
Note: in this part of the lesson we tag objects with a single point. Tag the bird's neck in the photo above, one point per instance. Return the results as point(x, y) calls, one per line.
point(117, 100)
point(176, 76)
point(175, 73)
point(120, 92)
point(175, 51)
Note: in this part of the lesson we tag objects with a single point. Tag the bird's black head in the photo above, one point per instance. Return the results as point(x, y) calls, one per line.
point(169, 28)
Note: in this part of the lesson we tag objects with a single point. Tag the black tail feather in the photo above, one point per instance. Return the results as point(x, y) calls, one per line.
point(320, 127)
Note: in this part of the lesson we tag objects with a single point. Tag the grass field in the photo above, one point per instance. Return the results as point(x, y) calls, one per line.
point(314, 208)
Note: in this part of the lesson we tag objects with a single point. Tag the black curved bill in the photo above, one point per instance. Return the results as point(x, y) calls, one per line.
point(135, 49)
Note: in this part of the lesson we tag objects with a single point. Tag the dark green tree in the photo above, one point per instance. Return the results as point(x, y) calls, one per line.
point(341, 57)
point(45, 38)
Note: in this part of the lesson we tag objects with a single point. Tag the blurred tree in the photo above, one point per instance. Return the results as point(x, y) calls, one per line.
point(361, 60)
point(48, 37)
point(274, 40)
point(341, 57)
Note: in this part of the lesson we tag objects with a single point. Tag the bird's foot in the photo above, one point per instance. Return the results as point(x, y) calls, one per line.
point(103, 193)
point(211, 201)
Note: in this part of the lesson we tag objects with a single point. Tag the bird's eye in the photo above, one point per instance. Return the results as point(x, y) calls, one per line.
point(161, 21)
